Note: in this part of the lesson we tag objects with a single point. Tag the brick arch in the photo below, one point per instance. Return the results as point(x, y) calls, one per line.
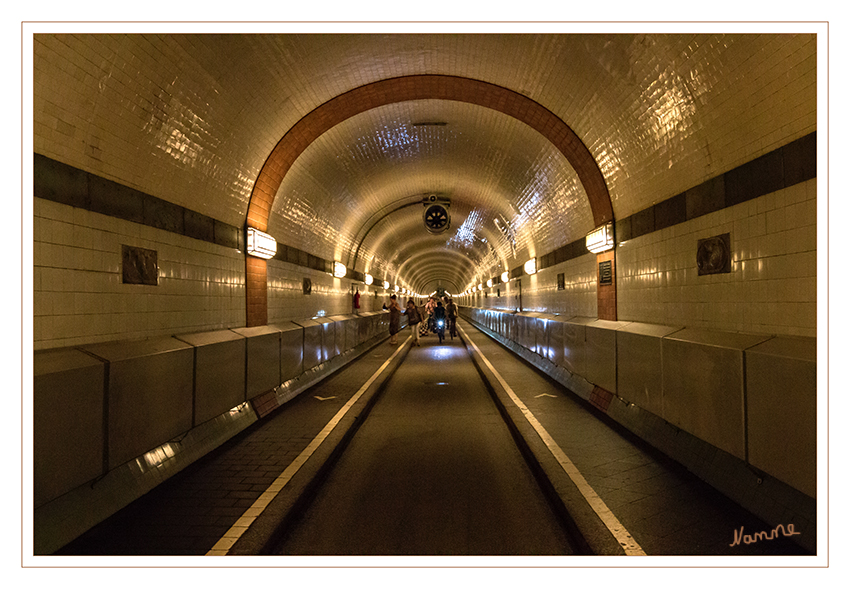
point(402, 89)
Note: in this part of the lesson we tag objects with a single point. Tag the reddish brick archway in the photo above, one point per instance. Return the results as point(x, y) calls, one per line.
point(402, 89)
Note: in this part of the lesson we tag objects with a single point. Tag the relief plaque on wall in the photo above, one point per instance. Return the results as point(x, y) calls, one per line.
point(138, 266)
point(307, 286)
point(561, 282)
point(714, 255)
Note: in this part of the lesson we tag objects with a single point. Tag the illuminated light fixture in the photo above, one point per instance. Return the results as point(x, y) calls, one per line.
point(489, 283)
point(600, 239)
point(386, 285)
point(505, 276)
point(368, 279)
point(339, 270)
point(530, 266)
point(480, 287)
point(260, 245)
point(396, 288)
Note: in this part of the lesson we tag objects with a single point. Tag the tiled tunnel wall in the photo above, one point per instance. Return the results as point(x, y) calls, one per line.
point(81, 223)
point(768, 209)
point(771, 288)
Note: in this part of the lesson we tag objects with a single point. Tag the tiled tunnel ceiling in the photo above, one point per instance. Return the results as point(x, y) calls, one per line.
point(192, 118)
point(512, 194)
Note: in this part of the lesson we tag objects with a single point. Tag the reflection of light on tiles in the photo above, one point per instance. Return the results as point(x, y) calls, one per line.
point(155, 457)
point(468, 230)
point(238, 409)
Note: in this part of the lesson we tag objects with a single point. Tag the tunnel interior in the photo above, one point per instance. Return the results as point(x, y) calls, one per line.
point(157, 156)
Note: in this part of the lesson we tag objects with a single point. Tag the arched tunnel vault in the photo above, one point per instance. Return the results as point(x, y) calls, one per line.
point(404, 238)
point(403, 218)
point(369, 173)
point(419, 88)
point(450, 266)
point(454, 264)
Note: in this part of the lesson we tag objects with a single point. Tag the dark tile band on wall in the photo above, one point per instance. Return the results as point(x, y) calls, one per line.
point(784, 167)
point(299, 257)
point(58, 182)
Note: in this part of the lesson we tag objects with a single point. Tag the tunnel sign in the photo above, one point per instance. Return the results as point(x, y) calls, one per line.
point(606, 276)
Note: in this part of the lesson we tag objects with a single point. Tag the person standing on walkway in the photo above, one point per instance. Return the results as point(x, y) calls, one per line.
point(414, 318)
point(451, 316)
point(429, 309)
point(395, 320)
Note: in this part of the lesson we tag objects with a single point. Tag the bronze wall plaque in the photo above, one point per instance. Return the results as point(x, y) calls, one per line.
point(714, 255)
point(138, 266)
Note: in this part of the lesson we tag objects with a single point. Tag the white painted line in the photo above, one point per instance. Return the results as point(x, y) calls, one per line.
point(620, 533)
point(546, 395)
point(223, 546)
point(324, 398)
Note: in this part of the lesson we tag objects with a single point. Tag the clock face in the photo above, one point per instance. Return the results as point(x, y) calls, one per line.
point(436, 218)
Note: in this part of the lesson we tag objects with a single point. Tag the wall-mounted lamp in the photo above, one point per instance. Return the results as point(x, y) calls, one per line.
point(489, 283)
point(600, 239)
point(480, 287)
point(260, 245)
point(386, 285)
point(339, 270)
point(530, 266)
point(505, 276)
point(367, 278)
point(395, 288)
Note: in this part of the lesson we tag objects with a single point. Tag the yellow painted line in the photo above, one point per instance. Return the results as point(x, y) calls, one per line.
point(620, 533)
point(223, 546)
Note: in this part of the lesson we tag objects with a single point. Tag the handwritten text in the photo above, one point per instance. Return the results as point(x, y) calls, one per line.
point(740, 536)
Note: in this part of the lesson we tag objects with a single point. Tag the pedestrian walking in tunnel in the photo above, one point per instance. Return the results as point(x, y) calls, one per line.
point(451, 317)
point(395, 320)
point(414, 318)
point(429, 309)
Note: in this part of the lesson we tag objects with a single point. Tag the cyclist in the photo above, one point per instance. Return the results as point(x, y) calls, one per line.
point(440, 321)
